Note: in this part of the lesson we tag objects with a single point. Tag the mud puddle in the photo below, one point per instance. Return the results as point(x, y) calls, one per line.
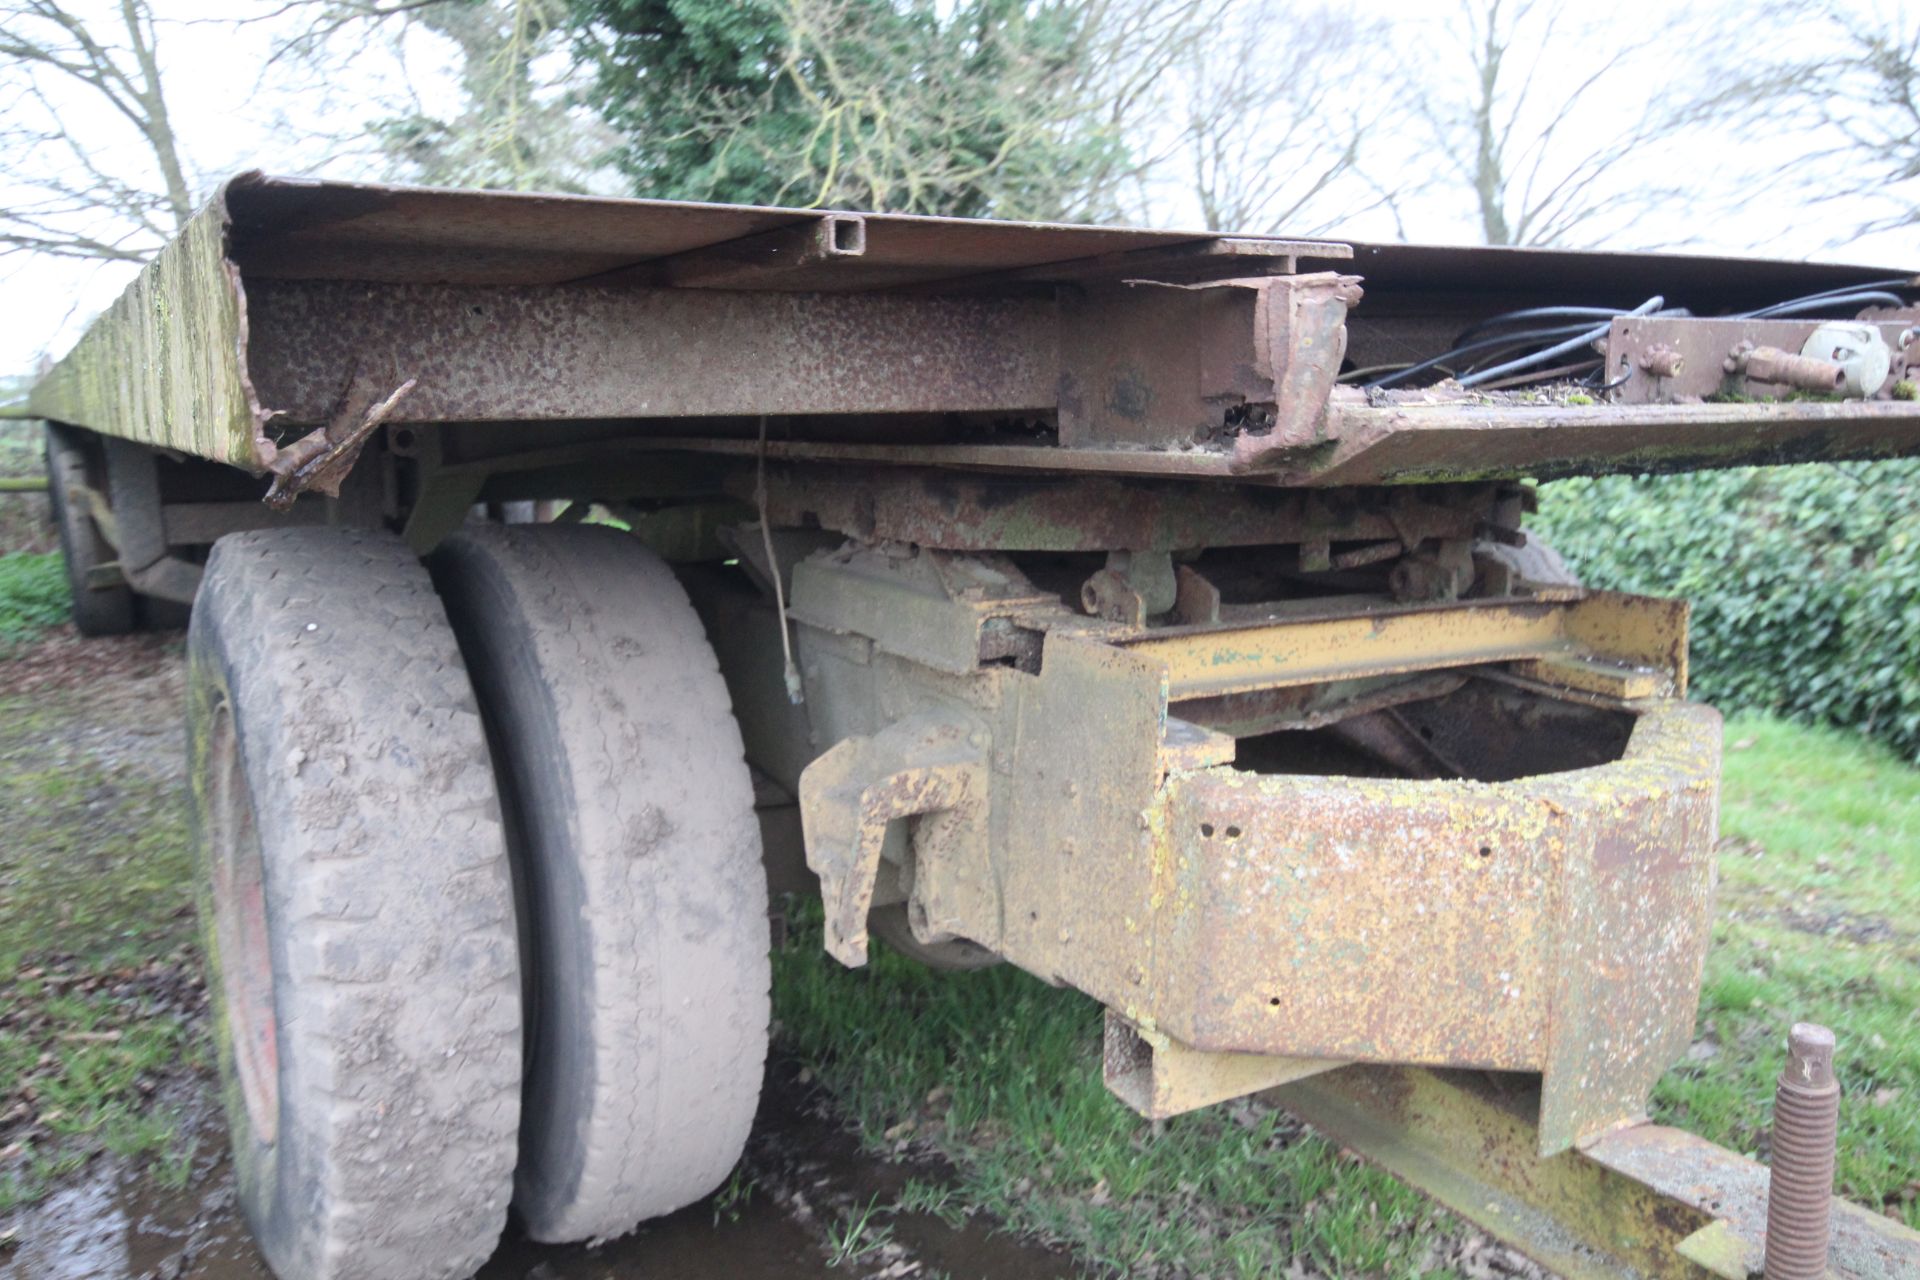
point(787, 1213)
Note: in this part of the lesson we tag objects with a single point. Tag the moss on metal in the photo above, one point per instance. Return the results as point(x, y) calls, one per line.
point(164, 364)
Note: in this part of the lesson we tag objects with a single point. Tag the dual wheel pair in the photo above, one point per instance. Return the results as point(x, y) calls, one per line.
point(481, 887)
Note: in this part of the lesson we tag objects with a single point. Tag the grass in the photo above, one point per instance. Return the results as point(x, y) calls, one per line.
point(1819, 921)
point(857, 1235)
point(732, 1199)
point(33, 596)
point(1000, 1073)
point(96, 930)
point(95, 922)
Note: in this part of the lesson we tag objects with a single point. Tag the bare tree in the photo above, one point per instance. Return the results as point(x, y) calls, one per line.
point(1537, 113)
point(1135, 52)
point(1278, 109)
point(64, 197)
point(1832, 100)
point(517, 122)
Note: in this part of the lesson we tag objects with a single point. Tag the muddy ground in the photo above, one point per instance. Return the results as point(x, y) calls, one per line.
point(803, 1180)
point(795, 1207)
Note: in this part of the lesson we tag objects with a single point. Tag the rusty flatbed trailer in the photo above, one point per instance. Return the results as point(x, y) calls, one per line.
point(1152, 611)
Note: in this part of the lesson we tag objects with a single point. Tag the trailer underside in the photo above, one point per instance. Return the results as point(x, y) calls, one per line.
point(1109, 603)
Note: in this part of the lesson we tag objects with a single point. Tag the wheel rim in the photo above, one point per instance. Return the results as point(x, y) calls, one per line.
point(240, 930)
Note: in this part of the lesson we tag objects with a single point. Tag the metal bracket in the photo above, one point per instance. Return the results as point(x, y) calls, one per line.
point(138, 524)
point(321, 459)
point(1160, 1077)
point(922, 765)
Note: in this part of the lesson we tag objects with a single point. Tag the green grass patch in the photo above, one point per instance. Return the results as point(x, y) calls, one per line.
point(1002, 1074)
point(96, 932)
point(33, 596)
point(1760, 978)
point(1819, 899)
point(1831, 821)
point(1821, 881)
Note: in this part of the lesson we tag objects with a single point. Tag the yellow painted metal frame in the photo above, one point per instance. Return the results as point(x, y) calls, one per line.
point(1071, 822)
point(1642, 1200)
point(1624, 632)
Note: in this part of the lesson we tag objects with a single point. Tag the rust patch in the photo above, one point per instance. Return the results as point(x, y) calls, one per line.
point(982, 510)
point(321, 459)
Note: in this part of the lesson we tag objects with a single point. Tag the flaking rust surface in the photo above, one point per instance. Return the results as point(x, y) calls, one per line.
point(1556, 923)
point(586, 352)
point(1293, 897)
point(1635, 918)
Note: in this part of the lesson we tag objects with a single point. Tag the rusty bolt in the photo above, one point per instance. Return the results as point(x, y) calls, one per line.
point(1770, 364)
point(1662, 361)
point(1108, 594)
point(1806, 1119)
point(1371, 553)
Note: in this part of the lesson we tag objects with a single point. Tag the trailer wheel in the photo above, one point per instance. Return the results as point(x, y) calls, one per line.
point(357, 909)
point(97, 611)
point(639, 859)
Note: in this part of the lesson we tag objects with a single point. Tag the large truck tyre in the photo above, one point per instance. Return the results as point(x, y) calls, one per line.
point(357, 909)
point(97, 611)
point(643, 895)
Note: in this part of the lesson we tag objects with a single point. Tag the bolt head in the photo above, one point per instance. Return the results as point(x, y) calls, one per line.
point(1810, 1056)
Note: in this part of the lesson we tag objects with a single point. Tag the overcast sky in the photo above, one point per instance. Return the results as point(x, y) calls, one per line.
point(231, 118)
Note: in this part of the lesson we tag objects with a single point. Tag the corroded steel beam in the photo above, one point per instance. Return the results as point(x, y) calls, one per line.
point(1554, 923)
point(1111, 366)
point(1665, 357)
point(1639, 1201)
point(1466, 442)
point(1433, 440)
point(509, 353)
point(277, 299)
point(950, 510)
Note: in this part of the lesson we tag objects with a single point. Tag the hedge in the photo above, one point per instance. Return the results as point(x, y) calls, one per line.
point(1805, 581)
point(33, 596)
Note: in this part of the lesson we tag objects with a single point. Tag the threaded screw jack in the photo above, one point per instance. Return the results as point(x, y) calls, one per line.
point(1806, 1121)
